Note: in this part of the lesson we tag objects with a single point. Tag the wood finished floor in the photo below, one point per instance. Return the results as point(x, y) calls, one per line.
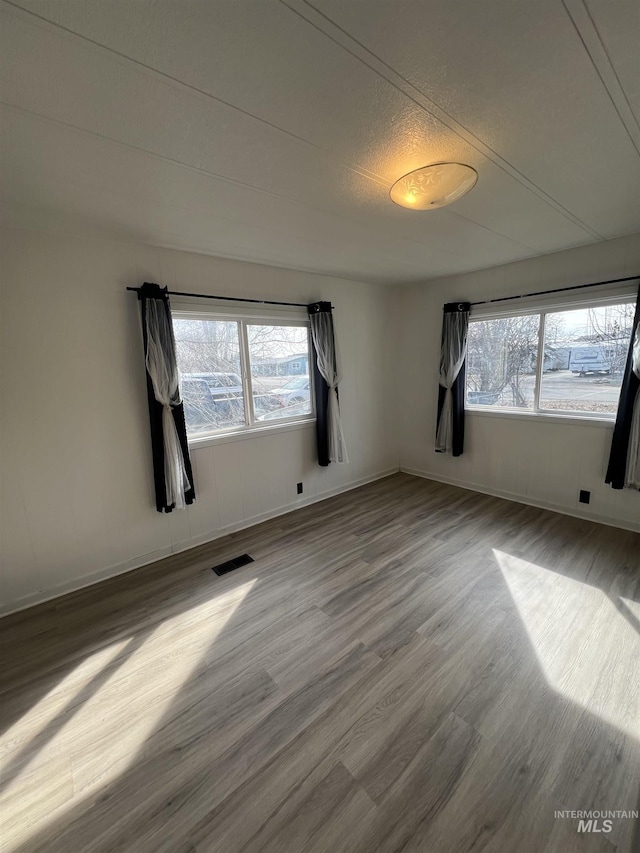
point(408, 666)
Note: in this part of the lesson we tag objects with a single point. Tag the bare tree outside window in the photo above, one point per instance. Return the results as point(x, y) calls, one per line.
point(594, 343)
point(208, 355)
point(221, 392)
point(583, 358)
point(501, 361)
point(611, 326)
point(279, 357)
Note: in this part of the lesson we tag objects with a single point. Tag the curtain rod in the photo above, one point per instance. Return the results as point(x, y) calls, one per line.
point(228, 298)
point(556, 290)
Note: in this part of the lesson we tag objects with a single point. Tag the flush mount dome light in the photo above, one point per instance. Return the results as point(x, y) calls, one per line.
point(433, 186)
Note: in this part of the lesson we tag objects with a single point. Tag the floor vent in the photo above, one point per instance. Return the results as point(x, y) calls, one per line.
point(230, 565)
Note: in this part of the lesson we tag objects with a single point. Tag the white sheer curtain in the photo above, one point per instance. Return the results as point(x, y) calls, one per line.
point(632, 473)
point(327, 360)
point(163, 372)
point(453, 352)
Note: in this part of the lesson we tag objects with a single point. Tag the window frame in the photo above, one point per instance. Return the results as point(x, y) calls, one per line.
point(242, 319)
point(552, 415)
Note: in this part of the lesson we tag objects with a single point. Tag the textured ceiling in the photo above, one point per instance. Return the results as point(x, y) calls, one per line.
point(272, 130)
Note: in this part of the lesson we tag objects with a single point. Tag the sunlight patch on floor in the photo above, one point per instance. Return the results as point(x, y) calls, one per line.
point(633, 607)
point(587, 647)
point(101, 740)
point(40, 715)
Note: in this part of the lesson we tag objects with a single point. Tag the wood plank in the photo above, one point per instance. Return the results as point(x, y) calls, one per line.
point(408, 666)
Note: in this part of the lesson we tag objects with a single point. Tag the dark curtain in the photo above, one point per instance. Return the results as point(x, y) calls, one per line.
point(457, 403)
point(148, 292)
point(629, 391)
point(321, 390)
point(455, 323)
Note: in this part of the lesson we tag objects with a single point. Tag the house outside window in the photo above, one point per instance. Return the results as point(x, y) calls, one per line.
point(241, 374)
point(568, 361)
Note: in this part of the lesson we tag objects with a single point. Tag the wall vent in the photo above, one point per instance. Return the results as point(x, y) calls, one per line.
point(230, 565)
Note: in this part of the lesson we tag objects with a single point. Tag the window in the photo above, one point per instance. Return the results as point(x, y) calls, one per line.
point(502, 358)
point(241, 374)
point(567, 361)
point(273, 353)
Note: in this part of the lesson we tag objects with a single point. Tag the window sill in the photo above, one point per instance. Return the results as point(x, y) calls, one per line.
point(244, 434)
point(552, 417)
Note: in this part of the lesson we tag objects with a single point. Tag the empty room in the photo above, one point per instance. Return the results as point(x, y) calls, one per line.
point(320, 426)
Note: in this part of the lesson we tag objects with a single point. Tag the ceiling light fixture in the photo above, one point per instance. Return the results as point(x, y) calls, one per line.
point(433, 186)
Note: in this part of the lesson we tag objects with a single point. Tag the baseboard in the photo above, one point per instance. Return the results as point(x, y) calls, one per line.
point(277, 511)
point(152, 556)
point(521, 499)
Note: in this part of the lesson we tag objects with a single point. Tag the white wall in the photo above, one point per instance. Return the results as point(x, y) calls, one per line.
point(77, 492)
point(76, 499)
point(540, 462)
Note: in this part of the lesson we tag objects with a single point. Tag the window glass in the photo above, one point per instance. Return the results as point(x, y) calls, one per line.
point(212, 355)
point(502, 358)
point(208, 354)
point(585, 351)
point(279, 369)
